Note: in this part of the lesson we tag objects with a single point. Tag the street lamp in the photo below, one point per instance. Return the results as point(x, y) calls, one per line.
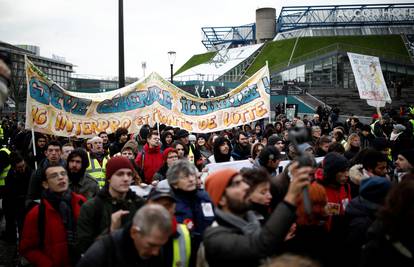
point(144, 66)
point(171, 58)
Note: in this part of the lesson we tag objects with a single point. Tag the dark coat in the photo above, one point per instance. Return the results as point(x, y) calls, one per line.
point(87, 186)
point(380, 251)
point(117, 249)
point(360, 214)
point(312, 241)
point(55, 250)
point(228, 243)
point(95, 216)
point(241, 153)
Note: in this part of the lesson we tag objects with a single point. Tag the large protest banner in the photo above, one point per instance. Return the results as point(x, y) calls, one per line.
point(50, 109)
point(369, 79)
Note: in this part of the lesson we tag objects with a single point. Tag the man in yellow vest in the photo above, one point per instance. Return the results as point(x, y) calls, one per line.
point(4, 170)
point(178, 248)
point(97, 161)
point(1, 135)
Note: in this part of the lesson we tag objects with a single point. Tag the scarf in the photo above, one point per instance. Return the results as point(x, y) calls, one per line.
point(62, 203)
point(248, 226)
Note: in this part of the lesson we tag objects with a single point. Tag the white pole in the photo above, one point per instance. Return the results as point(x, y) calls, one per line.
point(34, 147)
point(158, 128)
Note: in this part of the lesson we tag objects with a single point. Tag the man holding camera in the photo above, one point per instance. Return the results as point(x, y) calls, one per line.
point(235, 239)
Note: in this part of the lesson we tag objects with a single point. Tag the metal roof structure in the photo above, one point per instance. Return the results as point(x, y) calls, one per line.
point(299, 17)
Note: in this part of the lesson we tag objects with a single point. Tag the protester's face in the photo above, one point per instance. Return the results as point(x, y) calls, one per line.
point(186, 183)
point(280, 145)
point(365, 133)
point(259, 149)
point(41, 142)
point(402, 164)
point(180, 150)
point(224, 148)
point(123, 138)
point(235, 196)
point(148, 245)
point(53, 153)
point(355, 141)
point(261, 194)
point(128, 153)
point(104, 138)
point(324, 147)
point(316, 118)
point(201, 141)
point(56, 179)
point(171, 158)
point(66, 151)
point(75, 164)
point(342, 177)
point(316, 132)
point(278, 127)
point(154, 140)
point(121, 180)
point(257, 129)
point(185, 140)
point(243, 140)
point(381, 169)
point(97, 145)
point(21, 166)
point(168, 139)
point(167, 203)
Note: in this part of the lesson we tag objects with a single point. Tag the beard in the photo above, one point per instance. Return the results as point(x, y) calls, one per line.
point(238, 207)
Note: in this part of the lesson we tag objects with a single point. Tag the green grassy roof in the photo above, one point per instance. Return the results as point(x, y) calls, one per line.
point(196, 60)
point(277, 53)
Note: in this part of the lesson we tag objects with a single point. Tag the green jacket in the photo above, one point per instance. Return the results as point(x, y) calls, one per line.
point(95, 216)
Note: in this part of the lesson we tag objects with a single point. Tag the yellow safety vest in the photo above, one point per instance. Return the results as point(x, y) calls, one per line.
point(1, 133)
point(97, 171)
point(412, 123)
point(5, 171)
point(182, 247)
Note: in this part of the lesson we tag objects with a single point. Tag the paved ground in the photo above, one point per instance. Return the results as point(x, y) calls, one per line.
point(8, 251)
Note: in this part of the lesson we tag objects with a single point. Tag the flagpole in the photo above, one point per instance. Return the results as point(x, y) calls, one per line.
point(270, 106)
point(34, 147)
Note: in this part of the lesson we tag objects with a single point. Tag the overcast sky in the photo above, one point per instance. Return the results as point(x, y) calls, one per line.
point(85, 32)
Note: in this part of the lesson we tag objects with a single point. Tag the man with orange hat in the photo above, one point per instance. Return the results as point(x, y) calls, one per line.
point(236, 237)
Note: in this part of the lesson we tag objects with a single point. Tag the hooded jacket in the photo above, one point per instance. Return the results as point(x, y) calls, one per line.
point(150, 160)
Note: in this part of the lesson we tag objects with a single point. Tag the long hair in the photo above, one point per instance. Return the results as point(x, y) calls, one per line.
point(317, 196)
point(218, 156)
point(349, 141)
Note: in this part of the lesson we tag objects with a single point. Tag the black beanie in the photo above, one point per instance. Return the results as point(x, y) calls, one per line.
point(408, 155)
point(332, 164)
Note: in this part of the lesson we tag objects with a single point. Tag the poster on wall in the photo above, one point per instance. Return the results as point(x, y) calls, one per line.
point(50, 109)
point(369, 79)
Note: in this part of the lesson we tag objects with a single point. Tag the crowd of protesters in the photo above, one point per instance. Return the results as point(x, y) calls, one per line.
point(141, 199)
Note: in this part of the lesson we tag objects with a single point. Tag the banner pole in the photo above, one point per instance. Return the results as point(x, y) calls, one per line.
point(158, 128)
point(34, 148)
point(270, 104)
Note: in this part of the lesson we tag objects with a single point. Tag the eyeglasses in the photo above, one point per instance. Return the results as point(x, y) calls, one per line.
point(172, 157)
point(57, 174)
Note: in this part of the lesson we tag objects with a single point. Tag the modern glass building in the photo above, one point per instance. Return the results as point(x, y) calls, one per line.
point(334, 71)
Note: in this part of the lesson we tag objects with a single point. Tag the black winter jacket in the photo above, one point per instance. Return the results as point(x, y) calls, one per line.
point(228, 243)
